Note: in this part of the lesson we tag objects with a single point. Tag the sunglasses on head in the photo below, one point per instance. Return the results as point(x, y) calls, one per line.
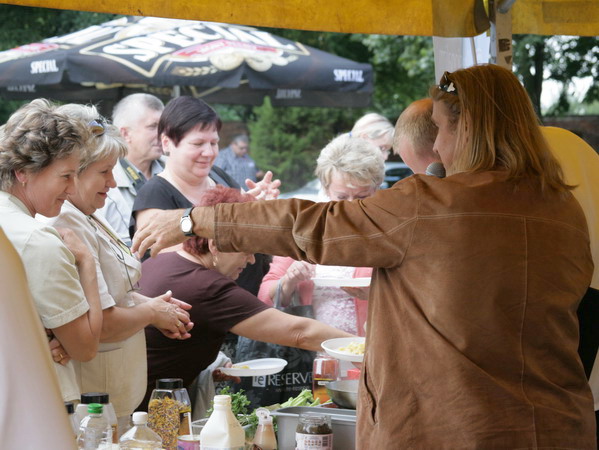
point(96, 127)
point(446, 85)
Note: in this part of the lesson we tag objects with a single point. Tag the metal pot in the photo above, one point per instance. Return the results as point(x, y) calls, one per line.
point(344, 393)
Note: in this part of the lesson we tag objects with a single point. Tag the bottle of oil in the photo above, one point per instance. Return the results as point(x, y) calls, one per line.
point(325, 368)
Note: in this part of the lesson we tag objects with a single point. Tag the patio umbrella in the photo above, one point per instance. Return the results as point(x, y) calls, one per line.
point(219, 62)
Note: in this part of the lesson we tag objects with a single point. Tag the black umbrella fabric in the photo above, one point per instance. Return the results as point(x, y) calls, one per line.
point(220, 63)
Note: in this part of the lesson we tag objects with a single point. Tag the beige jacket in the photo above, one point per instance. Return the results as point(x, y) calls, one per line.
point(119, 368)
point(472, 336)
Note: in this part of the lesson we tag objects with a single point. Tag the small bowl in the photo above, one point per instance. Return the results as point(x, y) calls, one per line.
point(344, 393)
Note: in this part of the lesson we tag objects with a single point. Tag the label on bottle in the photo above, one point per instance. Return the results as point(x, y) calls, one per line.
point(313, 441)
point(185, 420)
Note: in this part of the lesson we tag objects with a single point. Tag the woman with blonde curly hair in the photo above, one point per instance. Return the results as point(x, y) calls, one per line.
point(120, 367)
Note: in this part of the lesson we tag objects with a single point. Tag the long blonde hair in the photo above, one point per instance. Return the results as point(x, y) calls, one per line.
point(496, 126)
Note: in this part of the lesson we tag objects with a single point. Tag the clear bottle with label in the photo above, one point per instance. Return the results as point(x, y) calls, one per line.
point(314, 432)
point(324, 369)
point(94, 432)
point(103, 398)
point(222, 431)
point(140, 437)
point(169, 411)
point(265, 438)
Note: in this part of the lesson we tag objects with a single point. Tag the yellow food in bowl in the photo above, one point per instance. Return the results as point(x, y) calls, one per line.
point(240, 367)
point(353, 348)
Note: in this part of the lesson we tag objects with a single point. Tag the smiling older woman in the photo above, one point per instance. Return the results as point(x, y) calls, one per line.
point(120, 367)
point(40, 150)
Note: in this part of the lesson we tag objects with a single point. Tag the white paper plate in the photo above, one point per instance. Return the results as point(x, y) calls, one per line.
point(342, 282)
point(332, 348)
point(255, 367)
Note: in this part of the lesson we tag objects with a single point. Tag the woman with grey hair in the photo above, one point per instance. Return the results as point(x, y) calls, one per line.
point(120, 367)
point(348, 168)
point(376, 129)
point(39, 156)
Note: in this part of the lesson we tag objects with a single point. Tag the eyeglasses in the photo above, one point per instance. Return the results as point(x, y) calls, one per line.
point(96, 127)
point(446, 85)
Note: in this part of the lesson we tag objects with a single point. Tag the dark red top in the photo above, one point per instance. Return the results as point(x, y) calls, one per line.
point(217, 302)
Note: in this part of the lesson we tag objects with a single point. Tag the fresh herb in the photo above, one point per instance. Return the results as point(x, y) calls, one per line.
point(239, 402)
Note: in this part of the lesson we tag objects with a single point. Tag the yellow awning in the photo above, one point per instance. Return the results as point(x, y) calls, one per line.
point(446, 18)
point(398, 17)
point(549, 17)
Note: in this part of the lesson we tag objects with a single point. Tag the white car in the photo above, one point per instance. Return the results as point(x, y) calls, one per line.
point(394, 171)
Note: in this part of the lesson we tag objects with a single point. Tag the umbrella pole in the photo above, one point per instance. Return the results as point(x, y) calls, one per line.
point(176, 91)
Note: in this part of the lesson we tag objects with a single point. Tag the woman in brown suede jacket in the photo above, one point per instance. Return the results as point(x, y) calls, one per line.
point(472, 336)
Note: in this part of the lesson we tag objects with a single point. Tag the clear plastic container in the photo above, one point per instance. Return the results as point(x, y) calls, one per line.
point(169, 411)
point(222, 431)
point(324, 369)
point(72, 419)
point(265, 437)
point(140, 437)
point(94, 432)
point(102, 398)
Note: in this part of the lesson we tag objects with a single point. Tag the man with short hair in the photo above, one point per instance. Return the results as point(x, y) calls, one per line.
point(415, 134)
point(236, 161)
point(137, 117)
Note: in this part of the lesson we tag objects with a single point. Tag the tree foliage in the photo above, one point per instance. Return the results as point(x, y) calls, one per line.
point(288, 142)
point(564, 59)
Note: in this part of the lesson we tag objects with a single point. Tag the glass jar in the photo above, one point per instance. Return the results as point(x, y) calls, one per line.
point(324, 369)
point(169, 411)
point(314, 432)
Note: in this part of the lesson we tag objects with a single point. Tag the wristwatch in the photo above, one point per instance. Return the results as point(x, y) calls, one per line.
point(186, 223)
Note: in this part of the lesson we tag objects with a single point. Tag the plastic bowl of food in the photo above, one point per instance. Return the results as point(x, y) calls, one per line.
point(347, 349)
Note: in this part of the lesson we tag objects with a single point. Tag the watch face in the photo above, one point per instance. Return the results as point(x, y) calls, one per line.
point(186, 225)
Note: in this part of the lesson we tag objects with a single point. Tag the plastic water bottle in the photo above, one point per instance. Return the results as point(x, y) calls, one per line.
point(140, 437)
point(94, 432)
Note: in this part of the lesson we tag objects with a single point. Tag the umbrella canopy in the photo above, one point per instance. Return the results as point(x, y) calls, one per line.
point(219, 62)
point(444, 18)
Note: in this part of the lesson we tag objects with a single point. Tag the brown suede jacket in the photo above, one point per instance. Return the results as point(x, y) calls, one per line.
point(472, 330)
